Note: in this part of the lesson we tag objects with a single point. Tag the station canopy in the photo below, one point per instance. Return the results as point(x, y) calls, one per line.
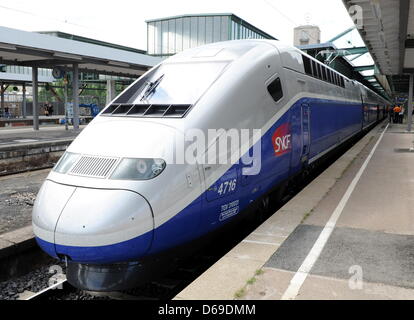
point(387, 29)
point(32, 49)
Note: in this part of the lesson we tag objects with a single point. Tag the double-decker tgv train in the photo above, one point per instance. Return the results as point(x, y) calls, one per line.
point(113, 205)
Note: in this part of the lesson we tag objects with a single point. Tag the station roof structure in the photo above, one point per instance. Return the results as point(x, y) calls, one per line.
point(338, 59)
point(387, 29)
point(46, 51)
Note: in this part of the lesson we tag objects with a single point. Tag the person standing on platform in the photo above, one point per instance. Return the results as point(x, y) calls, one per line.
point(6, 112)
point(46, 107)
point(401, 115)
point(390, 114)
point(396, 110)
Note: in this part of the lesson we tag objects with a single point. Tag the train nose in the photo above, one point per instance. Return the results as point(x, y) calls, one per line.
point(92, 225)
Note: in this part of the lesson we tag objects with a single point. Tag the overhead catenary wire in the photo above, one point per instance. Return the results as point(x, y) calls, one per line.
point(39, 16)
point(287, 18)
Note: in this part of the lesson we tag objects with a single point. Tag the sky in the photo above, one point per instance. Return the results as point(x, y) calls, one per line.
point(123, 21)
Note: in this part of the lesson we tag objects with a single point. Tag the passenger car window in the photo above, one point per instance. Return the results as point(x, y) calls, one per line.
point(307, 65)
point(275, 89)
point(324, 75)
point(314, 69)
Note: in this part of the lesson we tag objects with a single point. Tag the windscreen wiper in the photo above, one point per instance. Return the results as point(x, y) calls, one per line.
point(151, 88)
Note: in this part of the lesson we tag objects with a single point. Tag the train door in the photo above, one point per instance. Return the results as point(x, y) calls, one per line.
point(300, 128)
point(221, 198)
point(305, 132)
point(364, 114)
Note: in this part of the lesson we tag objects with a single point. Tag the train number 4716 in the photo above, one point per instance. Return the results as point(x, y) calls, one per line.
point(227, 186)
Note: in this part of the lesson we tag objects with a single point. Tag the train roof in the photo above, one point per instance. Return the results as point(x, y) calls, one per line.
point(234, 49)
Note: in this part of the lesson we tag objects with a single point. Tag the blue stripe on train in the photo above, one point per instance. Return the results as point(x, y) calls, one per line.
point(123, 251)
point(208, 211)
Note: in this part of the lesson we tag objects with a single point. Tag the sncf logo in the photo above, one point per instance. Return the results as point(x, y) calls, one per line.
point(281, 140)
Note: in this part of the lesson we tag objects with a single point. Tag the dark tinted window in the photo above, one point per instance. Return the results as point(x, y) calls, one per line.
point(307, 65)
point(319, 71)
point(315, 69)
point(275, 89)
point(330, 76)
point(324, 76)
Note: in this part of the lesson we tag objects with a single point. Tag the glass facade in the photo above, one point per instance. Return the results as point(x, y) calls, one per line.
point(28, 70)
point(171, 35)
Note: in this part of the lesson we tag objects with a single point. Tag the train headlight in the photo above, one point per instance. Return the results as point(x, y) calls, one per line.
point(142, 166)
point(66, 162)
point(138, 169)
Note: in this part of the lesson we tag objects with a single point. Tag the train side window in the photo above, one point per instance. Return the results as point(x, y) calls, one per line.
point(324, 75)
point(342, 82)
point(314, 69)
point(319, 71)
point(275, 89)
point(307, 65)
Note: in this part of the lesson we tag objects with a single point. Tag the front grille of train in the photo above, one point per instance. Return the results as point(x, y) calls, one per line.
point(147, 110)
point(91, 166)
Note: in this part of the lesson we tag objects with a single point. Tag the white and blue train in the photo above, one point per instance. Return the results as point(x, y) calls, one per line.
point(112, 206)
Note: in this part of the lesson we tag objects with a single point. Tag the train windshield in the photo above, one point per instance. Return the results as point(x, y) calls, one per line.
point(173, 83)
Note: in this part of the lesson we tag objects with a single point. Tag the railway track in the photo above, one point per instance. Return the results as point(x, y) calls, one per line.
point(164, 288)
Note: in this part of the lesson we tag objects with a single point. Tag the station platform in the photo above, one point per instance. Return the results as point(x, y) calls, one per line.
point(348, 235)
point(19, 135)
point(43, 120)
point(24, 149)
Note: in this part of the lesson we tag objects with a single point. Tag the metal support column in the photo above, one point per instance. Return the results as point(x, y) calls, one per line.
point(66, 103)
point(75, 89)
point(2, 97)
point(35, 97)
point(24, 105)
point(410, 103)
point(110, 90)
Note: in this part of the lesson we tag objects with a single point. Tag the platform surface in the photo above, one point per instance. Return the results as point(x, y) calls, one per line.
point(366, 252)
point(26, 135)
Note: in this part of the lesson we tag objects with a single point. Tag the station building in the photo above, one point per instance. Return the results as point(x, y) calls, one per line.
point(168, 36)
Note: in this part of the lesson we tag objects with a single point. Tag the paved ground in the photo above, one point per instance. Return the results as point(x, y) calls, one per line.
point(46, 133)
point(368, 255)
point(17, 194)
